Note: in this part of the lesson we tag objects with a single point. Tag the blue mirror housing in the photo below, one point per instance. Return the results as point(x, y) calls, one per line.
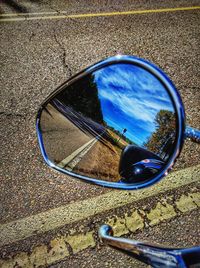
point(119, 123)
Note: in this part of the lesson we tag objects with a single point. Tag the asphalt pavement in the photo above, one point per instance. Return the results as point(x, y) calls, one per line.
point(39, 54)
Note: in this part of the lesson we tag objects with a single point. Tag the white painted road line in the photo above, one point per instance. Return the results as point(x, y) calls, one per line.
point(58, 217)
point(68, 159)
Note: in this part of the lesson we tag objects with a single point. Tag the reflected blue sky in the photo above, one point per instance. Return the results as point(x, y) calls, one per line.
point(130, 98)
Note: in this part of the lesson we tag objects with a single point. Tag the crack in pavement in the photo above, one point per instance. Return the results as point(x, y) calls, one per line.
point(53, 8)
point(12, 114)
point(65, 65)
point(33, 33)
point(182, 87)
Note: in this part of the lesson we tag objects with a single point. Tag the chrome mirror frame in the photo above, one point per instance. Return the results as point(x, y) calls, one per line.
point(176, 100)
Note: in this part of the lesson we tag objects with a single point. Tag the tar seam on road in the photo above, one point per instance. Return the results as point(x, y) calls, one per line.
point(45, 221)
point(34, 16)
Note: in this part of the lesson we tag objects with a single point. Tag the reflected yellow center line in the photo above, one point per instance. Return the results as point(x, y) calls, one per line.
point(62, 15)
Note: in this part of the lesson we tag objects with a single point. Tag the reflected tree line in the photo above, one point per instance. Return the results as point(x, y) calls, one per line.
point(82, 96)
point(162, 139)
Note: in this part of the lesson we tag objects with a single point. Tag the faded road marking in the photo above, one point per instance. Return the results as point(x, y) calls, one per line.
point(57, 249)
point(189, 202)
point(161, 212)
point(139, 219)
point(23, 228)
point(79, 242)
point(29, 16)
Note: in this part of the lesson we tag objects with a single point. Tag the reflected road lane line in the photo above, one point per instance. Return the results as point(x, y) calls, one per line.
point(80, 152)
point(68, 159)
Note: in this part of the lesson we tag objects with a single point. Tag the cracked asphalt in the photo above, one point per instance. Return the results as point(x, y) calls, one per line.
point(37, 56)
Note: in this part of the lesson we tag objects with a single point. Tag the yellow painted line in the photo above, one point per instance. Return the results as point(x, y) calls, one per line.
point(57, 248)
point(46, 255)
point(162, 211)
point(28, 16)
point(23, 228)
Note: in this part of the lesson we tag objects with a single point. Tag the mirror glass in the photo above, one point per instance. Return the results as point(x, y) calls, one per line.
point(116, 124)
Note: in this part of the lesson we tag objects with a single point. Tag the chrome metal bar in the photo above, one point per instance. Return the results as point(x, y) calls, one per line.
point(192, 133)
point(151, 254)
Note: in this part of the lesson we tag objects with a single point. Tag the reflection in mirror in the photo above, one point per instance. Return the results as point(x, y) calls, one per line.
point(117, 124)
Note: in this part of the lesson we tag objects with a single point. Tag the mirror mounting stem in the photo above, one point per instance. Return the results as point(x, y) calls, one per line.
point(192, 134)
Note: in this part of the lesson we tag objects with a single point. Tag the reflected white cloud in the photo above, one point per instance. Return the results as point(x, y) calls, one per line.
point(131, 96)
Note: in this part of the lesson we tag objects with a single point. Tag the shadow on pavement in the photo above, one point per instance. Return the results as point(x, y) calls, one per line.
point(15, 6)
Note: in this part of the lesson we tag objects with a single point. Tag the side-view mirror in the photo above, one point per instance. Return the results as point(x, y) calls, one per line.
point(120, 123)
